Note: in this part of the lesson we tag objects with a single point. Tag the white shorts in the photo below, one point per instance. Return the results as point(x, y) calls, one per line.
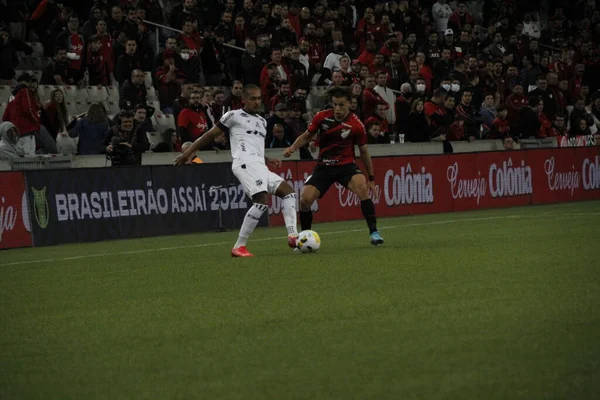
point(255, 178)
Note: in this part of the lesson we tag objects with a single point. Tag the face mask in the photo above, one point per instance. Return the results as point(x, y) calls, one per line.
point(455, 87)
point(446, 87)
point(185, 56)
point(420, 87)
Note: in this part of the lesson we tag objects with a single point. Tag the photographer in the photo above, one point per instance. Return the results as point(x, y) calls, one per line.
point(124, 142)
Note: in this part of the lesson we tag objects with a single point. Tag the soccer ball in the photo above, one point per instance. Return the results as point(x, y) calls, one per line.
point(309, 241)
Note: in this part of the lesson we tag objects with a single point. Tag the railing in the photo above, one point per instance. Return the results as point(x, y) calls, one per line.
point(157, 26)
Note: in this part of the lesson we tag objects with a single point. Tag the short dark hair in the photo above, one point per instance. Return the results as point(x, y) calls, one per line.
point(339, 92)
point(247, 89)
point(138, 106)
point(440, 92)
point(59, 48)
point(534, 101)
point(94, 38)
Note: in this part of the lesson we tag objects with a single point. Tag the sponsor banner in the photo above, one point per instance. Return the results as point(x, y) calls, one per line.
point(588, 159)
point(15, 226)
point(83, 205)
point(459, 182)
point(577, 141)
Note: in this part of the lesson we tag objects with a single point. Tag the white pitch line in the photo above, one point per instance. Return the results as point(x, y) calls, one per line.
point(194, 246)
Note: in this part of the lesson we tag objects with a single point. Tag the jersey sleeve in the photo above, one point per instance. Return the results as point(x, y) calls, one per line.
point(315, 124)
point(226, 121)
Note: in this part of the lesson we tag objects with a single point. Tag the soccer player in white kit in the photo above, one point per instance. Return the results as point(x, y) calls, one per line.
point(247, 130)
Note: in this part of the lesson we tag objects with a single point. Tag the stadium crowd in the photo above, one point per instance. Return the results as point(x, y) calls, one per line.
point(418, 70)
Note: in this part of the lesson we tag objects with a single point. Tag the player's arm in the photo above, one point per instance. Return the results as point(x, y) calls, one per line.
point(366, 159)
point(202, 142)
point(300, 142)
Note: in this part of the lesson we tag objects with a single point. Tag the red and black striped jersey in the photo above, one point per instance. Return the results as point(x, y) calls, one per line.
point(337, 138)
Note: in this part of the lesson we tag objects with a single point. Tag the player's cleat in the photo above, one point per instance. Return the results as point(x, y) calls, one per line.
point(241, 252)
point(376, 238)
point(293, 242)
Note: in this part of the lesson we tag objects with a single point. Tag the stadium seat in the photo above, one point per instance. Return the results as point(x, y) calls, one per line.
point(151, 93)
point(148, 78)
point(155, 104)
point(38, 49)
point(5, 93)
point(2, 108)
point(97, 94)
point(112, 107)
point(44, 91)
point(154, 138)
point(113, 93)
point(70, 93)
point(163, 122)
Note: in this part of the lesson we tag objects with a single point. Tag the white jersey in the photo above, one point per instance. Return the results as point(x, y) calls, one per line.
point(247, 134)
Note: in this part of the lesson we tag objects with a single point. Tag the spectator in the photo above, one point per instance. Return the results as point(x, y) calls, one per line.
point(500, 127)
point(97, 64)
point(488, 112)
point(559, 127)
point(169, 79)
point(73, 41)
point(91, 131)
point(437, 116)
point(142, 121)
point(193, 120)
point(529, 121)
point(133, 91)
point(57, 72)
point(298, 100)
point(441, 12)
point(251, 64)
point(89, 28)
point(388, 96)
point(128, 62)
point(8, 54)
point(508, 143)
point(23, 111)
point(194, 158)
point(279, 117)
point(8, 145)
point(403, 107)
point(279, 141)
point(182, 101)
point(124, 141)
point(207, 103)
point(460, 18)
point(471, 115)
point(54, 115)
point(116, 22)
point(170, 44)
point(379, 116)
point(234, 101)
point(281, 96)
point(418, 128)
point(374, 134)
point(579, 127)
point(545, 124)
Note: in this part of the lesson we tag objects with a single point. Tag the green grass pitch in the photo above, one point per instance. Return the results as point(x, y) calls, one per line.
point(498, 304)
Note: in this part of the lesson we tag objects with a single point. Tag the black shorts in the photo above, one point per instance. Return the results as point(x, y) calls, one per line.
point(324, 176)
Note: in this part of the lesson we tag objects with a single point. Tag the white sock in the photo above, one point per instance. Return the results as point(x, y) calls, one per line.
point(250, 221)
point(289, 214)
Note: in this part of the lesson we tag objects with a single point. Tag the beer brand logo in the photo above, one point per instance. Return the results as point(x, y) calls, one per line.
point(40, 207)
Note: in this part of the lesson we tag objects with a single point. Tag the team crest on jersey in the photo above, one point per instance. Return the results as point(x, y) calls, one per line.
point(259, 182)
point(345, 133)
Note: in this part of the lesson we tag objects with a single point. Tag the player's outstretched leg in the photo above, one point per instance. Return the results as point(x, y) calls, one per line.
point(250, 221)
point(309, 195)
point(358, 184)
point(289, 201)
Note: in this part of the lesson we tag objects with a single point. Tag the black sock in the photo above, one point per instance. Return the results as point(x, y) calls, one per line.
point(368, 210)
point(306, 220)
